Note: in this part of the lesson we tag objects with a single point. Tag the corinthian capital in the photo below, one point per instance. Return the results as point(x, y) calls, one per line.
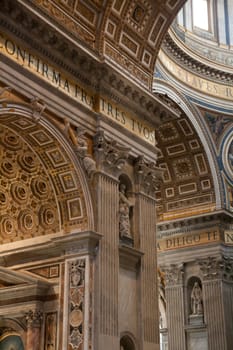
point(217, 268)
point(110, 155)
point(148, 175)
point(173, 274)
point(34, 318)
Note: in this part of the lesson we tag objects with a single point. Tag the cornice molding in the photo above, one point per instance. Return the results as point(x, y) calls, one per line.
point(222, 219)
point(18, 21)
point(184, 59)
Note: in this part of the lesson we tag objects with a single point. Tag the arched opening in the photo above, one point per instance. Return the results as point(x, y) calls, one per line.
point(126, 343)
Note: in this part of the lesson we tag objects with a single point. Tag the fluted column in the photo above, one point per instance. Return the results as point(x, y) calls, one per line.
point(218, 302)
point(175, 306)
point(33, 321)
point(109, 162)
point(145, 239)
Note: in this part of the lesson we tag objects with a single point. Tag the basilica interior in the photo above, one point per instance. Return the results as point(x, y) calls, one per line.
point(116, 175)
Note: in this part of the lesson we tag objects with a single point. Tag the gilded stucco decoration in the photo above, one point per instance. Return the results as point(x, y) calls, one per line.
point(127, 32)
point(187, 185)
point(40, 190)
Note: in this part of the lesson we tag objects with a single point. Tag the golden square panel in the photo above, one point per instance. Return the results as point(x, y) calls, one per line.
point(83, 10)
point(41, 137)
point(129, 44)
point(118, 5)
point(54, 271)
point(194, 144)
point(146, 58)
point(56, 157)
point(23, 123)
point(157, 28)
point(170, 192)
point(188, 188)
point(110, 28)
point(186, 128)
point(68, 181)
point(172, 3)
point(205, 184)
point(201, 163)
point(166, 174)
point(176, 149)
point(75, 210)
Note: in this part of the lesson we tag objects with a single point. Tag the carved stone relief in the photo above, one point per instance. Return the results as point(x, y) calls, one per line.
point(77, 304)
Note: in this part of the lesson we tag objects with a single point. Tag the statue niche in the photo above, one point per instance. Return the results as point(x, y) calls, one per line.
point(195, 301)
point(125, 214)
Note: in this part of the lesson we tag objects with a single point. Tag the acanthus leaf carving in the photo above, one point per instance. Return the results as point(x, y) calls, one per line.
point(148, 175)
point(110, 155)
point(217, 268)
point(34, 318)
point(173, 274)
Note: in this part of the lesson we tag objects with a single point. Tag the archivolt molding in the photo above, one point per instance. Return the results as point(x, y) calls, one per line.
point(43, 188)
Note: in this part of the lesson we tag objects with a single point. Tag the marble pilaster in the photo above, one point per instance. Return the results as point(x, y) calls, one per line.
point(33, 322)
point(109, 159)
point(217, 297)
point(175, 306)
point(147, 178)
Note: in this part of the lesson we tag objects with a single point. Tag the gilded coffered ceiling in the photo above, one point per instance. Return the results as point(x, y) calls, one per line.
point(125, 33)
point(41, 192)
point(187, 187)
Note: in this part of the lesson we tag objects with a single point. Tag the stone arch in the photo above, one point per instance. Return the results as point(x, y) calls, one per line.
point(44, 188)
point(12, 330)
point(127, 342)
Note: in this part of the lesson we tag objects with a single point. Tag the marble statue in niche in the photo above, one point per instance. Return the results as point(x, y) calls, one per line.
point(196, 300)
point(124, 212)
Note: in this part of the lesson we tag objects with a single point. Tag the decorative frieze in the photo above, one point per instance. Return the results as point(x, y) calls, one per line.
point(77, 304)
